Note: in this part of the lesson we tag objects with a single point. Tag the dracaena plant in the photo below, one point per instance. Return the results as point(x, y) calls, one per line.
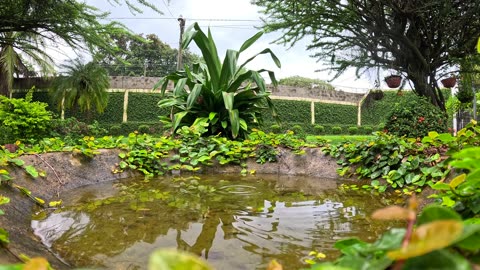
point(223, 98)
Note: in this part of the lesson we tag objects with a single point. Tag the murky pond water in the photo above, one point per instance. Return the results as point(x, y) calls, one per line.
point(234, 222)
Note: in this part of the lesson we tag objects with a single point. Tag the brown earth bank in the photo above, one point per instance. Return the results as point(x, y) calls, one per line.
point(66, 171)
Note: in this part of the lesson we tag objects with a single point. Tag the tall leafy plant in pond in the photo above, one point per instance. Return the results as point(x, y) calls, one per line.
point(225, 97)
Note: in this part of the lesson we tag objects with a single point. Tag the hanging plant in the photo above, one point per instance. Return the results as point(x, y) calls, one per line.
point(464, 96)
point(449, 82)
point(393, 81)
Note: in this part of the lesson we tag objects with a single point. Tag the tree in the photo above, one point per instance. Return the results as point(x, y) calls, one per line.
point(67, 22)
point(82, 86)
point(12, 58)
point(421, 39)
point(141, 56)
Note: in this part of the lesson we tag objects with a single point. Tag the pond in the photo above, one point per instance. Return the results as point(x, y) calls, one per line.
point(233, 222)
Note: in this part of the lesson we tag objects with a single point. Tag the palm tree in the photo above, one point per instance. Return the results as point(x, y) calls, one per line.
point(15, 49)
point(81, 86)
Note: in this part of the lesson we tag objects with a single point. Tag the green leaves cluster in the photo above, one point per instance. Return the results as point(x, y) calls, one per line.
point(441, 240)
point(415, 117)
point(23, 119)
point(225, 96)
point(190, 151)
point(391, 161)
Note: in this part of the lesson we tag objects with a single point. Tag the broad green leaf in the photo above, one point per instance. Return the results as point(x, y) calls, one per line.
point(17, 161)
point(193, 96)
point(429, 237)
point(478, 45)
point(176, 260)
point(229, 68)
point(434, 212)
point(234, 122)
point(250, 41)
point(32, 171)
point(470, 239)
point(177, 119)
point(438, 260)
point(228, 100)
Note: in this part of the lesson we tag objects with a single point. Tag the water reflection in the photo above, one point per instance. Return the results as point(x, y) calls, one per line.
point(233, 223)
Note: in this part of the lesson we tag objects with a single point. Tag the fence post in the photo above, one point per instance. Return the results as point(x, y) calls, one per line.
point(312, 111)
point(125, 106)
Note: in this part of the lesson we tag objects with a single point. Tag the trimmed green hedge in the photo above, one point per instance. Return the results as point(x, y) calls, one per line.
point(335, 114)
point(143, 107)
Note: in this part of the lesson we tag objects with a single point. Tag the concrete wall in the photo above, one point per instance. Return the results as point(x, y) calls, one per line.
point(317, 93)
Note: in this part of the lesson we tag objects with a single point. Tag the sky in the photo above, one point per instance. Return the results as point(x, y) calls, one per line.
point(231, 23)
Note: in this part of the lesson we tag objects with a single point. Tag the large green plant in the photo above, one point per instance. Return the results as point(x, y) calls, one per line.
point(224, 96)
point(83, 86)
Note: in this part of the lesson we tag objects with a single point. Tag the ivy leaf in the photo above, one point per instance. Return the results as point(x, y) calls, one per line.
point(17, 161)
point(32, 171)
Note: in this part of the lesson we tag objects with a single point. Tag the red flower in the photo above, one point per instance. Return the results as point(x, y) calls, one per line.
point(421, 119)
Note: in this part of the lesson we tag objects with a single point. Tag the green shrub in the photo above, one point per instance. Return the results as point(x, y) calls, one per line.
point(415, 117)
point(96, 130)
point(276, 128)
point(71, 127)
point(144, 129)
point(319, 129)
point(336, 130)
point(298, 130)
point(115, 130)
point(25, 119)
point(367, 130)
point(353, 130)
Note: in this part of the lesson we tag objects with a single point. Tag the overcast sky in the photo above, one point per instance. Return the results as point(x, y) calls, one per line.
point(231, 23)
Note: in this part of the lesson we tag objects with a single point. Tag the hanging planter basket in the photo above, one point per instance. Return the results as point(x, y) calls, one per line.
point(393, 81)
point(449, 82)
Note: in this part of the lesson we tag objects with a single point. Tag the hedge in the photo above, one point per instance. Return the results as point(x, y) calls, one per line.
point(335, 114)
point(374, 112)
point(143, 107)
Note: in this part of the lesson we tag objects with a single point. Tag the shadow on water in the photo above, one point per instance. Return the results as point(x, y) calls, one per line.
point(234, 222)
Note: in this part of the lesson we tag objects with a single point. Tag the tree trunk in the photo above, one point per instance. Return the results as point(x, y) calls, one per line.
point(4, 89)
point(425, 85)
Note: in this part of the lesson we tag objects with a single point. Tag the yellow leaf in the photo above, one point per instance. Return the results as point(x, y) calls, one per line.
point(457, 180)
point(321, 256)
point(393, 212)
point(36, 264)
point(429, 237)
point(55, 203)
point(274, 265)
point(312, 253)
point(39, 200)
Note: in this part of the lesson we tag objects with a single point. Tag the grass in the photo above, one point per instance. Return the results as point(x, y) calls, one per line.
point(341, 138)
